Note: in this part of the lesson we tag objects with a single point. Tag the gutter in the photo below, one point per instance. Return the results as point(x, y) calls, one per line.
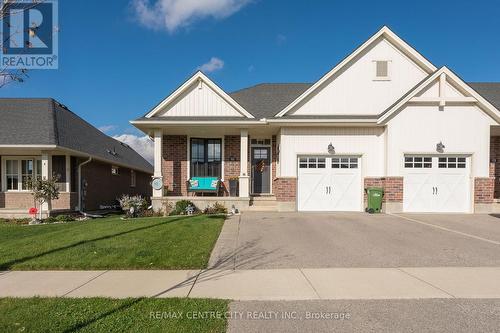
point(80, 183)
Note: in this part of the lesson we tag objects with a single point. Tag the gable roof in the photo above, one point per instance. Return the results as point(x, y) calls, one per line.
point(44, 121)
point(386, 33)
point(266, 99)
point(198, 77)
point(476, 97)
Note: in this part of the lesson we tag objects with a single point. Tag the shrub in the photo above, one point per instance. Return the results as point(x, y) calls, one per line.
point(15, 221)
point(181, 207)
point(65, 218)
point(50, 219)
point(133, 205)
point(216, 208)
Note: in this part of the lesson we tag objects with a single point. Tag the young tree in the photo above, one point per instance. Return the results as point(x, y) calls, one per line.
point(44, 190)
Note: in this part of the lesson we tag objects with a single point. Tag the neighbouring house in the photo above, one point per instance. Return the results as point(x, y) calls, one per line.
point(384, 116)
point(40, 137)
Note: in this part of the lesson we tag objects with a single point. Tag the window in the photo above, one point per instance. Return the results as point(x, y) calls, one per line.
point(19, 172)
point(381, 69)
point(206, 158)
point(263, 142)
point(260, 154)
point(312, 163)
point(12, 174)
point(452, 163)
point(115, 171)
point(26, 173)
point(132, 178)
point(417, 162)
point(345, 162)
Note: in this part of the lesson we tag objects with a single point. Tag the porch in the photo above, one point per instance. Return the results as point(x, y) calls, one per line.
point(18, 166)
point(231, 154)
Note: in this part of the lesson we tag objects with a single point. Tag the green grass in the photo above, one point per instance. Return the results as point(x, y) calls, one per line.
point(111, 243)
point(109, 315)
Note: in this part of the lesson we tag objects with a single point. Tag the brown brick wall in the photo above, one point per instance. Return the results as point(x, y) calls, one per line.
point(103, 188)
point(66, 201)
point(231, 159)
point(285, 189)
point(393, 187)
point(483, 190)
point(495, 163)
point(174, 164)
point(16, 200)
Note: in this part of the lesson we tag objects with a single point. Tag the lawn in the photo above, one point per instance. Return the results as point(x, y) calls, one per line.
point(110, 315)
point(111, 243)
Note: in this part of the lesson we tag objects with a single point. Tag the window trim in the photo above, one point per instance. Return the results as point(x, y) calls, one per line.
point(19, 160)
point(382, 78)
point(189, 153)
point(423, 162)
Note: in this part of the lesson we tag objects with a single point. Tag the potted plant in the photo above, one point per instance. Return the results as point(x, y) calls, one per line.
point(233, 186)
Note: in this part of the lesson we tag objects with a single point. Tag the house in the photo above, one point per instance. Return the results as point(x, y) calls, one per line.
point(41, 137)
point(384, 116)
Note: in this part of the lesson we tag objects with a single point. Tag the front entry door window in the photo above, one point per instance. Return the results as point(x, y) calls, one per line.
point(261, 170)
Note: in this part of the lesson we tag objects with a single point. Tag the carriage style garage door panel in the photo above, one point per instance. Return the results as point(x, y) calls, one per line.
point(437, 184)
point(329, 183)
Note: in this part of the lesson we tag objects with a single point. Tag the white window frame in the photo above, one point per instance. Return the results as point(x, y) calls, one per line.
point(382, 78)
point(19, 159)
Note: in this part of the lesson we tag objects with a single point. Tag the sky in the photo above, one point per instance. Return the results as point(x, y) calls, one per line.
point(118, 59)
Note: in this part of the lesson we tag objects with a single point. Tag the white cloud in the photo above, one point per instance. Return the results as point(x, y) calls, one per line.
point(107, 128)
point(214, 64)
point(280, 39)
point(251, 68)
point(141, 144)
point(174, 14)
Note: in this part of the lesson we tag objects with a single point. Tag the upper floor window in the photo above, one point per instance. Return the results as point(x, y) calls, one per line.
point(382, 69)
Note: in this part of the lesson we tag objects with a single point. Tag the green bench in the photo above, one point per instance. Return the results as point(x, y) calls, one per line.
point(203, 185)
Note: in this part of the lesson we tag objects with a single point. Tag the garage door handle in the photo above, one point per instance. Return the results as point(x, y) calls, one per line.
point(433, 190)
point(436, 190)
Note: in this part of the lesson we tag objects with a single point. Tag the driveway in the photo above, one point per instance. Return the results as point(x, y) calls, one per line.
point(258, 240)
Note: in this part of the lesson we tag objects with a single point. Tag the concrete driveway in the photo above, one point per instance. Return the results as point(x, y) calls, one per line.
point(260, 240)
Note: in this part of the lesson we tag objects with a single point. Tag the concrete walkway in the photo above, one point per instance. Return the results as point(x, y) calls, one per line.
point(276, 284)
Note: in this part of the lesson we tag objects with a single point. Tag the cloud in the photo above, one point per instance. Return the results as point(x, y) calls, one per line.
point(251, 68)
point(107, 128)
point(141, 144)
point(174, 14)
point(280, 39)
point(214, 64)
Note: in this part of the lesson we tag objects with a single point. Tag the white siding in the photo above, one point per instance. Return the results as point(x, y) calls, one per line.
point(417, 129)
point(365, 141)
point(355, 90)
point(433, 91)
point(199, 102)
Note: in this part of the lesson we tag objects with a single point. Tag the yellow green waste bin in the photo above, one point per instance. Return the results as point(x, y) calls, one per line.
point(374, 196)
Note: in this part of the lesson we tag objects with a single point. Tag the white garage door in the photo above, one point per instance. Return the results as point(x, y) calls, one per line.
point(436, 184)
point(329, 184)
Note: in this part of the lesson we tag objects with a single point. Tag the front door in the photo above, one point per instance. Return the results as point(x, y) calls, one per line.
point(261, 170)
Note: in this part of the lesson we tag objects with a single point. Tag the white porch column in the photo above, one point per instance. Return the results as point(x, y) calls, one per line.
point(244, 178)
point(68, 173)
point(46, 174)
point(158, 142)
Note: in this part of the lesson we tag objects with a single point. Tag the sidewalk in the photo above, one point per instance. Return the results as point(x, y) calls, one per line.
point(277, 284)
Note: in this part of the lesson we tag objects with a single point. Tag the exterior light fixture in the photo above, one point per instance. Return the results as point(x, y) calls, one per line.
point(331, 149)
point(440, 147)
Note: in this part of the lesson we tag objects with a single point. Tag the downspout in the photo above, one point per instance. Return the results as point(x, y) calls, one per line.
point(80, 183)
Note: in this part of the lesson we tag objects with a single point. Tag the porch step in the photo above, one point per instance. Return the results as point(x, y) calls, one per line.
point(263, 203)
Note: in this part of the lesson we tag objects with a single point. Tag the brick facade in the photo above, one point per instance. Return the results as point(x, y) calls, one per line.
point(24, 200)
point(175, 164)
point(483, 190)
point(495, 163)
point(285, 189)
point(103, 188)
point(232, 159)
point(393, 187)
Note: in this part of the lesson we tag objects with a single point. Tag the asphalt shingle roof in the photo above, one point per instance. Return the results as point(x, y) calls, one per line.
point(489, 90)
point(265, 100)
point(43, 121)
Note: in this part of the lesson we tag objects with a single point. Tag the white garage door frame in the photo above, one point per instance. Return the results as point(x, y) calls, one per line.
point(420, 200)
point(331, 173)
